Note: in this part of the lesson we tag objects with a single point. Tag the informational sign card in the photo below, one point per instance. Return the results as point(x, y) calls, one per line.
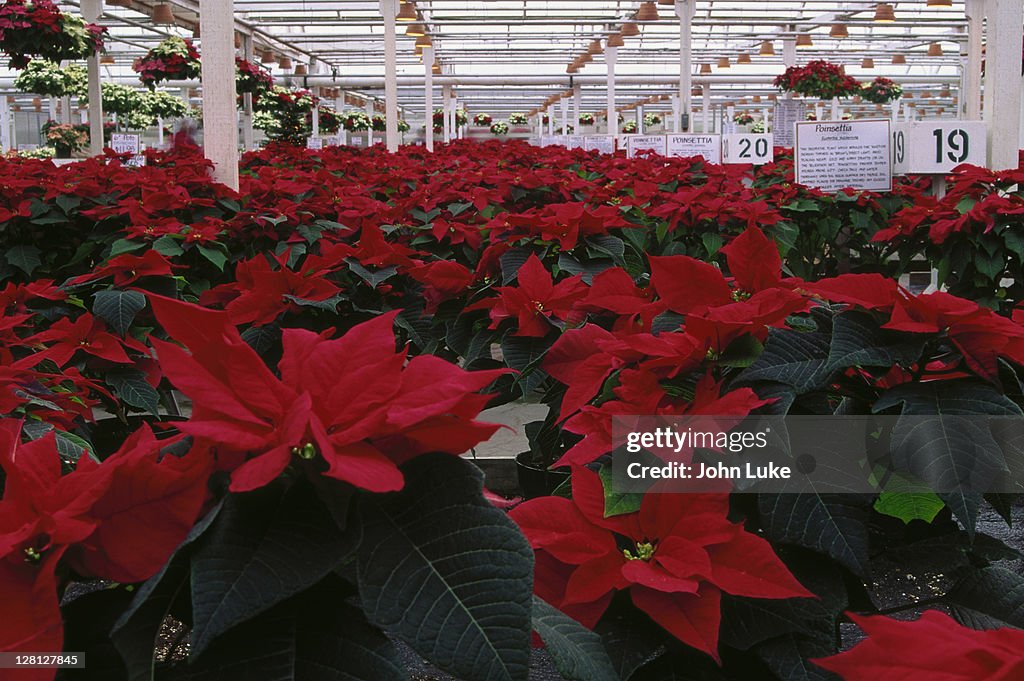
point(315, 143)
point(574, 141)
point(748, 148)
point(834, 155)
point(708, 147)
point(788, 112)
point(603, 143)
point(638, 143)
point(123, 143)
point(937, 147)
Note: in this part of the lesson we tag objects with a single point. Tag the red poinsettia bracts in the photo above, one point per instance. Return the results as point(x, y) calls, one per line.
point(930, 648)
point(355, 401)
point(681, 552)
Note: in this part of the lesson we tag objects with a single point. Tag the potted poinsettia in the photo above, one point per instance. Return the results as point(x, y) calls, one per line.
point(499, 128)
point(881, 91)
point(329, 120)
point(461, 119)
point(174, 58)
point(482, 120)
point(251, 78)
point(162, 104)
point(117, 99)
point(356, 120)
point(630, 127)
point(652, 120)
point(38, 28)
point(46, 78)
point(518, 119)
point(743, 118)
point(818, 79)
point(587, 119)
point(64, 138)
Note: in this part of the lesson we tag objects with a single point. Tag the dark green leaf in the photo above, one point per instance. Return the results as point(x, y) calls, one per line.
point(908, 500)
point(266, 546)
point(835, 525)
point(23, 256)
point(374, 279)
point(118, 308)
point(577, 651)
point(511, 261)
point(168, 246)
point(790, 658)
point(131, 387)
point(328, 305)
point(795, 359)
point(448, 573)
point(214, 255)
point(617, 503)
point(859, 341)
point(989, 598)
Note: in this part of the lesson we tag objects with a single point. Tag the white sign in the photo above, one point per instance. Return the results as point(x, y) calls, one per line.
point(834, 155)
point(603, 143)
point(574, 142)
point(748, 148)
point(788, 112)
point(638, 143)
point(937, 147)
point(708, 147)
point(314, 143)
point(122, 143)
point(136, 161)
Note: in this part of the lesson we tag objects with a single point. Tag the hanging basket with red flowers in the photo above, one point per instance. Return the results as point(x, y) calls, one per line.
point(330, 120)
point(820, 79)
point(173, 59)
point(37, 28)
point(881, 91)
point(482, 120)
point(251, 79)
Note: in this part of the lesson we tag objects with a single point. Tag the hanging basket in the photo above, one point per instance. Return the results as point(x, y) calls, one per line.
point(173, 59)
point(37, 28)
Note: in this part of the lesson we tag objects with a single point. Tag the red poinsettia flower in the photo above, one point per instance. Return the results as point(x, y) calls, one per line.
point(118, 520)
point(88, 334)
point(681, 552)
point(442, 280)
point(536, 301)
point(364, 407)
point(265, 293)
point(930, 648)
point(127, 269)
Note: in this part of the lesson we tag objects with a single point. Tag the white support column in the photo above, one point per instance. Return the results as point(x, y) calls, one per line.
point(1003, 98)
point(706, 108)
point(970, 95)
point(5, 125)
point(611, 54)
point(428, 97)
point(564, 105)
point(389, 9)
point(577, 105)
point(677, 125)
point(248, 138)
point(91, 10)
point(639, 117)
point(551, 119)
point(220, 121)
point(315, 121)
point(789, 49)
point(835, 109)
point(446, 130)
point(685, 10)
point(539, 122)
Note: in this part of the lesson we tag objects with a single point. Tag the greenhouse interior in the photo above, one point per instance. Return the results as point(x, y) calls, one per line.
point(512, 340)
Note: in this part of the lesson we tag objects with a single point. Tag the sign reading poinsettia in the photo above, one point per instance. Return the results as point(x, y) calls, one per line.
point(835, 155)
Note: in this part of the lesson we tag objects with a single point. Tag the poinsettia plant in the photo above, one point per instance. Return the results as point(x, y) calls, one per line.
point(630, 127)
point(461, 119)
point(37, 28)
point(881, 91)
point(251, 78)
point(743, 118)
point(356, 120)
point(818, 78)
point(64, 138)
point(652, 119)
point(482, 119)
point(587, 119)
point(49, 79)
point(499, 128)
point(174, 58)
point(518, 119)
point(163, 104)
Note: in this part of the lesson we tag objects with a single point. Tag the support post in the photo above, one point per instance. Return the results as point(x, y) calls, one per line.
point(564, 105)
point(1003, 98)
point(428, 97)
point(970, 95)
point(551, 119)
point(706, 108)
point(248, 138)
point(220, 122)
point(577, 104)
point(685, 10)
point(389, 9)
point(91, 10)
point(5, 124)
point(640, 127)
point(611, 54)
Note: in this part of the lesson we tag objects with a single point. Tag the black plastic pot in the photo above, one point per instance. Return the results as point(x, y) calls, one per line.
point(537, 481)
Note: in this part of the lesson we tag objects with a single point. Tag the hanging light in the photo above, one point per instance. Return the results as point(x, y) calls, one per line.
point(594, 47)
point(898, 59)
point(162, 14)
point(744, 58)
point(839, 31)
point(773, 98)
point(723, 63)
point(757, 99)
point(238, 41)
point(436, 68)
point(630, 29)
point(705, 68)
point(884, 13)
point(803, 41)
point(940, 3)
point(301, 70)
point(935, 50)
point(407, 12)
point(415, 30)
point(195, 32)
point(285, 62)
point(767, 49)
point(120, 3)
point(37, 103)
point(868, 63)
point(696, 92)
point(267, 57)
point(424, 41)
point(945, 93)
point(107, 59)
point(572, 68)
point(615, 40)
point(648, 12)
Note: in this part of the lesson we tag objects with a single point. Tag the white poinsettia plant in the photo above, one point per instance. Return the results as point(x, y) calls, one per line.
point(45, 78)
point(163, 104)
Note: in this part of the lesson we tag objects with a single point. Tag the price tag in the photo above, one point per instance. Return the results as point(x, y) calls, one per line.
point(937, 147)
point(637, 143)
point(136, 161)
point(748, 148)
point(708, 147)
point(123, 143)
point(314, 143)
point(602, 143)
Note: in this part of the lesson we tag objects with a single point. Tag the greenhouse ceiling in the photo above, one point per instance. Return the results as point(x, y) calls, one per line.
point(493, 43)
